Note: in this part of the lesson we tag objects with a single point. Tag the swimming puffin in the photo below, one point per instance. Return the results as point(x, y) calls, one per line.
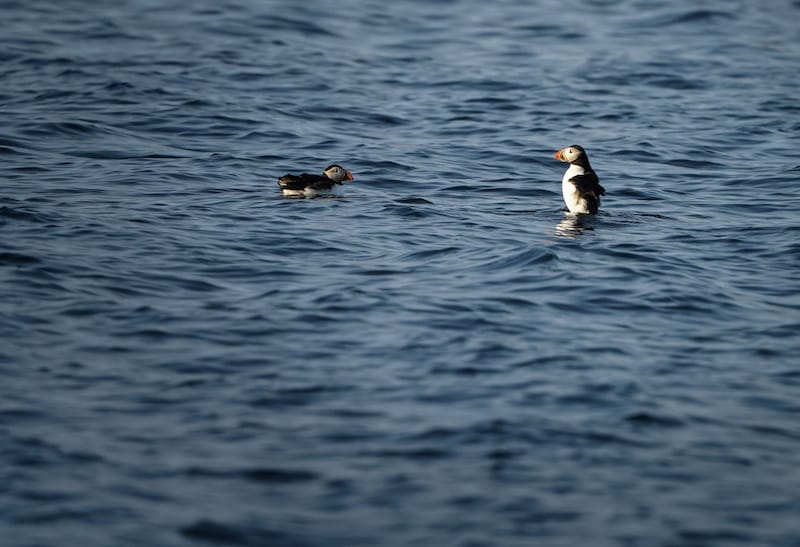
point(580, 185)
point(312, 185)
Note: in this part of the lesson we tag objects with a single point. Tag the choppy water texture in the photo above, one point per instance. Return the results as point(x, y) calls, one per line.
point(442, 357)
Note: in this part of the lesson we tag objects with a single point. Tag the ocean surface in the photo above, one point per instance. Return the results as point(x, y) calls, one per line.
point(441, 356)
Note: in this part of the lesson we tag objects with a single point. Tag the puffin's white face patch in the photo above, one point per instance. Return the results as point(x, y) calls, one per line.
point(571, 154)
point(334, 173)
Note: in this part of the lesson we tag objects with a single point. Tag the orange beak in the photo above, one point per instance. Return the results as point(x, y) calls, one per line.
point(349, 175)
point(560, 155)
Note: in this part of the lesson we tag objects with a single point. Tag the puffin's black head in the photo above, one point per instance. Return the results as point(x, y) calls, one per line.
point(337, 173)
point(572, 154)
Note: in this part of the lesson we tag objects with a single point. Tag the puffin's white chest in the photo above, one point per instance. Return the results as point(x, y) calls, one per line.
point(309, 192)
point(575, 203)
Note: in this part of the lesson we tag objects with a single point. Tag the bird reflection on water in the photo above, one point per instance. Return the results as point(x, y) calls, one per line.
point(573, 226)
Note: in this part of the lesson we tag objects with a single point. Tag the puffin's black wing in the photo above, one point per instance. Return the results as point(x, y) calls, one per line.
point(588, 183)
point(588, 186)
point(306, 180)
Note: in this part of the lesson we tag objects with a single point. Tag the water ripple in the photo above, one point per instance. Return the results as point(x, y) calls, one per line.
point(440, 355)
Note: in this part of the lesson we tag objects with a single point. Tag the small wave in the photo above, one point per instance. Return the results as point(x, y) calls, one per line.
point(693, 16)
point(303, 27)
point(60, 128)
point(406, 210)
point(522, 259)
point(19, 214)
point(694, 164)
point(414, 453)
point(650, 419)
point(258, 474)
point(8, 151)
point(428, 254)
point(208, 530)
point(386, 165)
point(414, 201)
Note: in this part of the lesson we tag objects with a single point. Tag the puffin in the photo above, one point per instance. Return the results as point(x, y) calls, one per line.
point(311, 185)
point(579, 185)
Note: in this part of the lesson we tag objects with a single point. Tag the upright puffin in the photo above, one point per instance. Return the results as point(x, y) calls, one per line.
point(579, 185)
point(312, 185)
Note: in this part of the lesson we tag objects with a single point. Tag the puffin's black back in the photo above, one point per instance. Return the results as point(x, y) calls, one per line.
point(305, 180)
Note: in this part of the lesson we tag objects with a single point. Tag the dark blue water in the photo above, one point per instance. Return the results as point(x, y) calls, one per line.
point(442, 357)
